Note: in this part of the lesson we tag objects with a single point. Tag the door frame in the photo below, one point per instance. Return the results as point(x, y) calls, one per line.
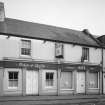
point(37, 83)
point(77, 82)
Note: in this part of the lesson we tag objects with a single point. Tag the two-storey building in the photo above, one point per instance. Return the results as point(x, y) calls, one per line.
point(38, 59)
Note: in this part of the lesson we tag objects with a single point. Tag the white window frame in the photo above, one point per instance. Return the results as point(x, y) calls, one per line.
point(98, 83)
point(83, 54)
point(72, 80)
point(17, 80)
point(49, 71)
point(22, 55)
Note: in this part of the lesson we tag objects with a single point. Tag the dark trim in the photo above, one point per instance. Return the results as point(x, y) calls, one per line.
point(53, 40)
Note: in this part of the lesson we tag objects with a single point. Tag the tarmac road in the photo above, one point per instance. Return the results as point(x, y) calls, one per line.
point(54, 100)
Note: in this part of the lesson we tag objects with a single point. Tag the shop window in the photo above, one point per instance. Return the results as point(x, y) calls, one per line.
point(85, 54)
point(49, 79)
point(13, 79)
point(26, 47)
point(93, 79)
point(66, 80)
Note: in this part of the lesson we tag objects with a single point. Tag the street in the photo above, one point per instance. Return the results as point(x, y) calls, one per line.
point(54, 100)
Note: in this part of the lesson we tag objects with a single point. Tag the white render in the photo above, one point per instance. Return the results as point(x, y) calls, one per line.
point(45, 50)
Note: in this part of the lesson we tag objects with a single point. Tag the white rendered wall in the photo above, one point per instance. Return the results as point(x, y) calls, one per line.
point(95, 55)
point(72, 53)
point(43, 50)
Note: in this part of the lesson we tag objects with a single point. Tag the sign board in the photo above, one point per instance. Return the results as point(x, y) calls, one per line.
point(27, 65)
point(59, 50)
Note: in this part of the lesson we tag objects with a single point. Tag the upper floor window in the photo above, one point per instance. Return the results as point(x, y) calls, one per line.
point(26, 47)
point(85, 54)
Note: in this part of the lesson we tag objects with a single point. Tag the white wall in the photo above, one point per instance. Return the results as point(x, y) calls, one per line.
point(95, 55)
point(72, 53)
point(44, 51)
point(9, 47)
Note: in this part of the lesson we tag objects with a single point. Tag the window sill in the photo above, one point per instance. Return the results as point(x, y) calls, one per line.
point(66, 89)
point(93, 88)
point(49, 87)
point(14, 88)
point(25, 56)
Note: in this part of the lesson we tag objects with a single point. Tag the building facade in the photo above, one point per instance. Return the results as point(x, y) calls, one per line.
point(37, 59)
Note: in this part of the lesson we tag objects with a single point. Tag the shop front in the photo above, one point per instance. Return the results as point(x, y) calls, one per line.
point(94, 80)
point(48, 79)
point(80, 79)
point(67, 79)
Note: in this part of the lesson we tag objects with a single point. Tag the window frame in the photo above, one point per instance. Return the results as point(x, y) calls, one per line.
point(97, 81)
point(85, 54)
point(21, 46)
point(14, 87)
point(52, 80)
point(71, 80)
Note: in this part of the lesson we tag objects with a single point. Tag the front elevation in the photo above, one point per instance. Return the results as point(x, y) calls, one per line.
point(49, 78)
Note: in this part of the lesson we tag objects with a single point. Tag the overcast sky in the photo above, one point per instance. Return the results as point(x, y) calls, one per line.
point(73, 14)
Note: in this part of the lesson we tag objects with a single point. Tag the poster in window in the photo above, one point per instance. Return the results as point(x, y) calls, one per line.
point(58, 50)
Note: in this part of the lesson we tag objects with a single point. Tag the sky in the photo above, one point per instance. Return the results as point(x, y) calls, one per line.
point(73, 14)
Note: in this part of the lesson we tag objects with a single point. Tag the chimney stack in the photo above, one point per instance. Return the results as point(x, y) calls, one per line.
point(2, 12)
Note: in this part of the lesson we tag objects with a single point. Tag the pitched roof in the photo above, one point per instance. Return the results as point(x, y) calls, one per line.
point(20, 28)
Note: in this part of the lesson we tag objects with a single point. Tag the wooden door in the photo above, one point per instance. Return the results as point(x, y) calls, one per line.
point(81, 82)
point(32, 82)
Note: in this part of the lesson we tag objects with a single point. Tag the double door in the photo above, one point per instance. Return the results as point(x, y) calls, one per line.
point(31, 82)
point(80, 82)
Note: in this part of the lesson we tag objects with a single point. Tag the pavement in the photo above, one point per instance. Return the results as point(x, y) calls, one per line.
point(53, 100)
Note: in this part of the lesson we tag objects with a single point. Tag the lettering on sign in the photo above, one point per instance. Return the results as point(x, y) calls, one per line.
point(81, 67)
point(28, 65)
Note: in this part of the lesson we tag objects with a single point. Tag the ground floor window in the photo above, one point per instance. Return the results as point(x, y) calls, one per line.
point(49, 79)
point(13, 79)
point(66, 80)
point(93, 79)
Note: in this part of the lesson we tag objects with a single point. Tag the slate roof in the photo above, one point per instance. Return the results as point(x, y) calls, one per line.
point(20, 28)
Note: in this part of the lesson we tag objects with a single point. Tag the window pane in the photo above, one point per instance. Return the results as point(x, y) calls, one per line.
point(49, 79)
point(51, 76)
point(15, 75)
point(10, 75)
point(93, 80)
point(13, 79)
point(47, 76)
point(85, 53)
point(26, 47)
point(15, 83)
point(66, 80)
point(10, 83)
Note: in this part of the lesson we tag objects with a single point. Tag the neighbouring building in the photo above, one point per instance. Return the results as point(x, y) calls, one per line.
point(38, 59)
point(102, 40)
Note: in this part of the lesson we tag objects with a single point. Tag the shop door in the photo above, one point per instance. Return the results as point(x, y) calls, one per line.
point(81, 82)
point(31, 82)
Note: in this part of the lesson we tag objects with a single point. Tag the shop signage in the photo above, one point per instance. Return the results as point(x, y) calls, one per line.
point(59, 50)
point(81, 67)
point(28, 65)
point(68, 67)
point(95, 68)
